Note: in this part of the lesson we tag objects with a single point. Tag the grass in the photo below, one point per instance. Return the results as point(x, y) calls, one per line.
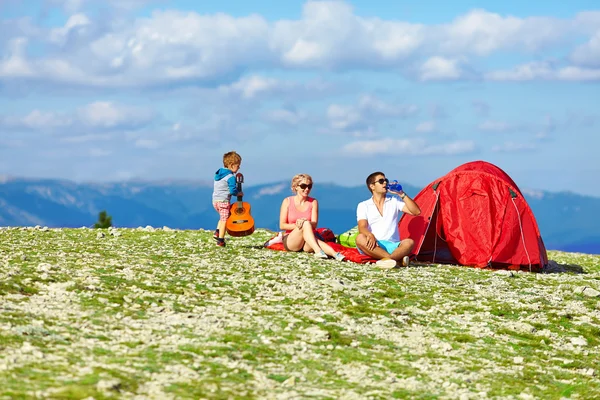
point(159, 313)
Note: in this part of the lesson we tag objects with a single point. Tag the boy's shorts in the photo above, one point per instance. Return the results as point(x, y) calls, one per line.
point(387, 245)
point(222, 208)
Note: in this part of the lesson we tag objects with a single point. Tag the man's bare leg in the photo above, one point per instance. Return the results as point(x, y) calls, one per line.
point(405, 248)
point(377, 252)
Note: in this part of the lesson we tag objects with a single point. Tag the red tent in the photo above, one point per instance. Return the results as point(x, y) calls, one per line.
point(476, 216)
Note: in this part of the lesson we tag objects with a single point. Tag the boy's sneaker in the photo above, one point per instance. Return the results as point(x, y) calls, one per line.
point(216, 234)
point(220, 242)
point(339, 256)
point(386, 263)
point(321, 254)
point(405, 261)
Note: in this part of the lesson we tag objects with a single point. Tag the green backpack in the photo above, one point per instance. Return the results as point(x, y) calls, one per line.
point(348, 238)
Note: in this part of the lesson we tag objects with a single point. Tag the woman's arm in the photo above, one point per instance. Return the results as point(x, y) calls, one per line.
point(314, 218)
point(283, 213)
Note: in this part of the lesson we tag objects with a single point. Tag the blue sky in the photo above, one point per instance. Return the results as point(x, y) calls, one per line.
point(134, 89)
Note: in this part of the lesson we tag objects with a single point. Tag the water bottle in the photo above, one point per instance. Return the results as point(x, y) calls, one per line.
point(395, 186)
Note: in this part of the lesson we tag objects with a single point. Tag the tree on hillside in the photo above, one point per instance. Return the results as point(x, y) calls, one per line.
point(104, 220)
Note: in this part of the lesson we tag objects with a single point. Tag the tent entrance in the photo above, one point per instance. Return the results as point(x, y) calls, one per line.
point(434, 248)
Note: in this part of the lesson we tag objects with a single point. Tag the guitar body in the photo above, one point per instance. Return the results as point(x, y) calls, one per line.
point(240, 222)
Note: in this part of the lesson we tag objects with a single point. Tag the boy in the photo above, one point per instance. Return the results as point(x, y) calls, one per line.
point(225, 187)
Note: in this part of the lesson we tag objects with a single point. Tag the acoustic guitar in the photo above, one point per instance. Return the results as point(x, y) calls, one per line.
point(240, 222)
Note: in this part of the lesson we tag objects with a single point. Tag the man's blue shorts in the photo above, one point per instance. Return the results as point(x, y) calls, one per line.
point(387, 245)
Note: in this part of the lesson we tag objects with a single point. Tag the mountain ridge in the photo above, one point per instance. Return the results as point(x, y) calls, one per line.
point(567, 221)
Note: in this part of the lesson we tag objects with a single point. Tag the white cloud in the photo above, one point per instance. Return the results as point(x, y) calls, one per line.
point(75, 22)
point(426, 127)
point(248, 87)
point(286, 116)
point(495, 126)
point(578, 74)
point(146, 144)
point(74, 6)
point(524, 72)
point(588, 54)
point(508, 147)
point(482, 32)
point(97, 152)
point(271, 190)
point(481, 108)
point(440, 68)
point(343, 117)
point(86, 138)
point(533, 194)
point(180, 47)
point(544, 71)
point(587, 22)
point(369, 111)
point(37, 120)
point(104, 114)
point(414, 147)
point(15, 63)
point(374, 106)
point(98, 115)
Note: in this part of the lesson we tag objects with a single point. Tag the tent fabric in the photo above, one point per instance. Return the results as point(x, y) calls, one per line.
point(475, 216)
point(350, 253)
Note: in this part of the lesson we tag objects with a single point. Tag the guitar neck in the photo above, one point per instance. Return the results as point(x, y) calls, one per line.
point(239, 198)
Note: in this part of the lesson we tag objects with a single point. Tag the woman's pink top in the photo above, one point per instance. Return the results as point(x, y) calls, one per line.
point(293, 213)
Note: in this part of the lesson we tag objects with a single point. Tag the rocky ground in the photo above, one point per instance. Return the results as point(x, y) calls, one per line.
point(158, 313)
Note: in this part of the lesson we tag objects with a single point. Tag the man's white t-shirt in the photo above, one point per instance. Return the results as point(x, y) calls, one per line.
point(383, 227)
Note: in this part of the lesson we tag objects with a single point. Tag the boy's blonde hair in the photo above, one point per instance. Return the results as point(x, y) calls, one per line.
point(232, 158)
point(299, 178)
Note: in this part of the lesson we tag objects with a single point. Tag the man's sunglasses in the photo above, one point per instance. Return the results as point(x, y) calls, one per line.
point(381, 181)
point(304, 186)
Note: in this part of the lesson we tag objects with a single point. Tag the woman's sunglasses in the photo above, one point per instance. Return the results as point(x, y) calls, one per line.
point(304, 186)
point(381, 181)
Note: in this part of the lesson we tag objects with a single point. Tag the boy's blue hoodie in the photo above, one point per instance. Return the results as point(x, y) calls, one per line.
point(225, 185)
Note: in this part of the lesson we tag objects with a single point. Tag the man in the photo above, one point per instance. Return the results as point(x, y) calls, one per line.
point(378, 217)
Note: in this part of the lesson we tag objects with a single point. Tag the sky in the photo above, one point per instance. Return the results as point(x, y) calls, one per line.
point(119, 90)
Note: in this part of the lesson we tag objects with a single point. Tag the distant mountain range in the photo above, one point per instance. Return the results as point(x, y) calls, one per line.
point(567, 221)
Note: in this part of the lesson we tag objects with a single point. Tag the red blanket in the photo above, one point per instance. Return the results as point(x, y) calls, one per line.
point(350, 253)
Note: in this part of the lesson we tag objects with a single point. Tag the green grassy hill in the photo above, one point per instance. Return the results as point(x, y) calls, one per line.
point(145, 313)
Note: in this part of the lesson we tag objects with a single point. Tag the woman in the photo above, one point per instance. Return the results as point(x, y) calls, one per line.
point(299, 216)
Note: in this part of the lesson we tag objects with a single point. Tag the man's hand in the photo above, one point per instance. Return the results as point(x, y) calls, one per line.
point(371, 241)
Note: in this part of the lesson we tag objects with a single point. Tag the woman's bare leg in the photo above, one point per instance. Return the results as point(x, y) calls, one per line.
point(295, 240)
point(327, 248)
point(309, 237)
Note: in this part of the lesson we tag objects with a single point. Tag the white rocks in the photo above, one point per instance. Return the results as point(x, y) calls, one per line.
point(185, 301)
point(289, 382)
point(114, 232)
point(100, 235)
point(579, 341)
point(104, 385)
point(587, 291)
point(589, 372)
point(314, 334)
point(44, 267)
